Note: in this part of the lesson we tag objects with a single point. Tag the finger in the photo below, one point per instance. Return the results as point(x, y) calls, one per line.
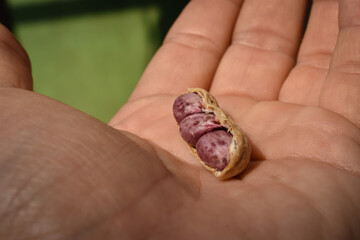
point(341, 90)
point(263, 49)
point(15, 68)
point(287, 131)
point(304, 83)
point(191, 50)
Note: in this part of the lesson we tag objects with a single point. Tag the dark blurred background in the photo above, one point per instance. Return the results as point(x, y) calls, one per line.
point(89, 53)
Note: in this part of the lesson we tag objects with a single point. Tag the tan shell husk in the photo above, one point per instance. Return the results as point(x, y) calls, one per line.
point(240, 151)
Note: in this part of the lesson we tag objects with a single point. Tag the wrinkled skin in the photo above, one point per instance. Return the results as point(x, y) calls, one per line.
point(65, 175)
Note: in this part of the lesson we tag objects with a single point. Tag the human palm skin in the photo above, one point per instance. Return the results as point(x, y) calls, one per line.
point(65, 175)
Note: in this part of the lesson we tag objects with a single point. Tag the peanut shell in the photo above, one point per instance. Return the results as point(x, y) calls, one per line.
point(239, 150)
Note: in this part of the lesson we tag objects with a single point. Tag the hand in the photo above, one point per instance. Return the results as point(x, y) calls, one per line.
point(66, 175)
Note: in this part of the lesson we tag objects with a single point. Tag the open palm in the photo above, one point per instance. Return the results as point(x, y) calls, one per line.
point(297, 102)
point(301, 117)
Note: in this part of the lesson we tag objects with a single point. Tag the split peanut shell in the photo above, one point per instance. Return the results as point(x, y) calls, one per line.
point(239, 150)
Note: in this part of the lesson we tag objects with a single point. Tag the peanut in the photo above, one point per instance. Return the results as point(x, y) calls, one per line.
point(212, 136)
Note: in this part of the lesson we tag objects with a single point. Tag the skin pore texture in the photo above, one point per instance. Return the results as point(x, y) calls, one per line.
point(66, 175)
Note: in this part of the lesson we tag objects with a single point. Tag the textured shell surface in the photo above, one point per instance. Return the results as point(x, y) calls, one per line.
point(220, 146)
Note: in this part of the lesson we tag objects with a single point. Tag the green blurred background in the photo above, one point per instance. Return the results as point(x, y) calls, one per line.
point(90, 54)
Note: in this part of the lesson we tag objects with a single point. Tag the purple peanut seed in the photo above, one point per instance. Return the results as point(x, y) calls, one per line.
point(213, 148)
point(185, 105)
point(194, 126)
